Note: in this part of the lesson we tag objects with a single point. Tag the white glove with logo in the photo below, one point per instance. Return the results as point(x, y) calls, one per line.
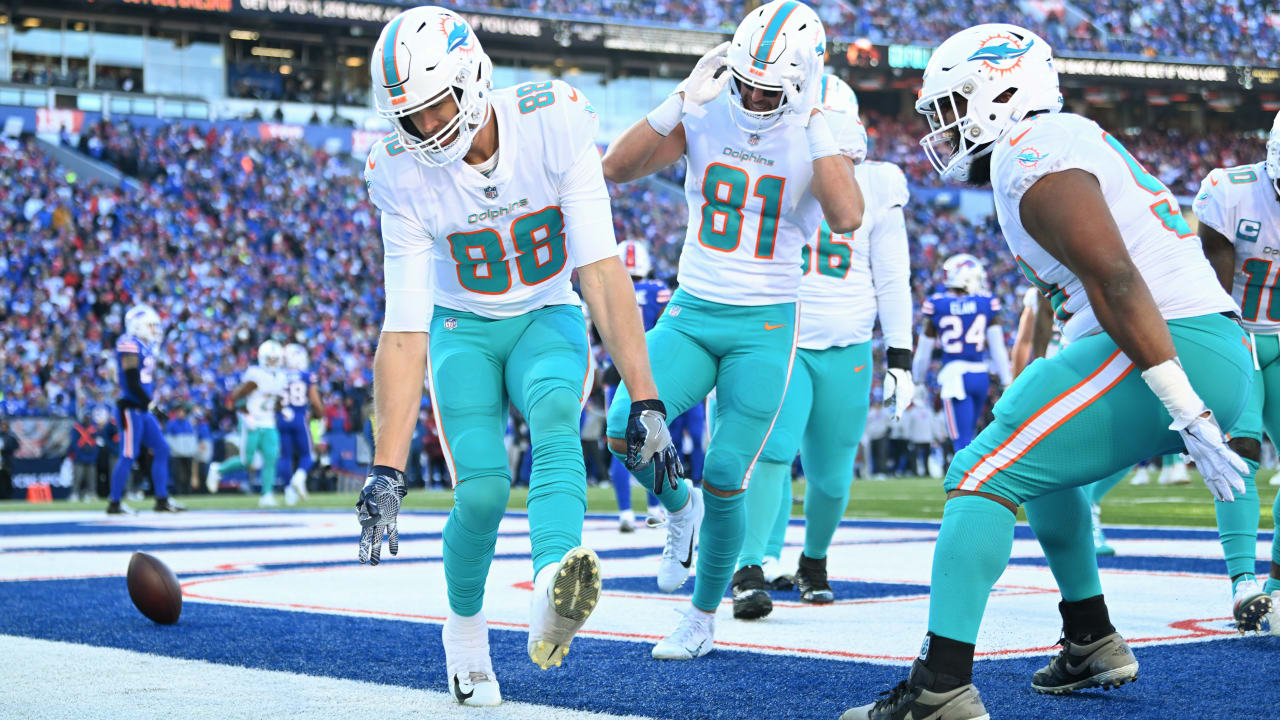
point(1222, 468)
point(707, 80)
point(899, 388)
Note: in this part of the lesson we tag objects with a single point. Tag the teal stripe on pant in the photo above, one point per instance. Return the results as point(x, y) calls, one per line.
point(539, 363)
point(745, 353)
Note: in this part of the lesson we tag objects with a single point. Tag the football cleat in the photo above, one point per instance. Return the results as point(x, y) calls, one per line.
point(626, 526)
point(1141, 476)
point(775, 577)
point(1100, 546)
point(299, 483)
point(1250, 606)
point(466, 652)
point(656, 516)
point(1274, 617)
point(811, 581)
point(115, 507)
point(1106, 663)
point(693, 637)
point(750, 599)
point(564, 594)
point(682, 533)
point(168, 505)
point(912, 699)
point(214, 478)
point(267, 500)
point(290, 496)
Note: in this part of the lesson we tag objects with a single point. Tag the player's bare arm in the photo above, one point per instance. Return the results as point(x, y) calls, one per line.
point(640, 151)
point(313, 398)
point(1221, 254)
point(399, 368)
point(838, 193)
point(609, 294)
point(242, 391)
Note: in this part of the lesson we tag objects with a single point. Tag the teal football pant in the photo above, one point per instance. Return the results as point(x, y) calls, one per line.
point(745, 353)
point(822, 418)
point(1238, 521)
point(260, 440)
point(1065, 422)
point(540, 363)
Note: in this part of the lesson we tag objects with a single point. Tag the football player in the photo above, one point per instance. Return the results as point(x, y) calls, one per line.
point(848, 281)
point(136, 368)
point(964, 323)
point(489, 200)
point(652, 297)
point(300, 396)
point(1154, 360)
point(261, 390)
point(1238, 209)
point(764, 168)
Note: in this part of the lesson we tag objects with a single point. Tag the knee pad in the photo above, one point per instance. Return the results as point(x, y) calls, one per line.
point(1247, 448)
point(480, 502)
point(781, 446)
point(724, 470)
point(556, 405)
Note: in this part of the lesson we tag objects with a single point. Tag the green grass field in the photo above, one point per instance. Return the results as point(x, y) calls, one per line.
point(909, 498)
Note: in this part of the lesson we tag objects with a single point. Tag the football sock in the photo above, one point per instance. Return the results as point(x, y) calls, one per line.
point(621, 480)
point(1238, 527)
point(469, 537)
point(972, 551)
point(778, 535)
point(1063, 524)
point(762, 498)
point(1084, 621)
point(720, 542)
point(1273, 584)
point(824, 504)
point(1099, 489)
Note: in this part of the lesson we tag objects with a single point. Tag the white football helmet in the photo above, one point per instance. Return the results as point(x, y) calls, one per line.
point(964, 272)
point(270, 354)
point(428, 55)
point(980, 65)
point(295, 357)
point(143, 323)
point(1272, 164)
point(769, 43)
point(635, 258)
point(838, 97)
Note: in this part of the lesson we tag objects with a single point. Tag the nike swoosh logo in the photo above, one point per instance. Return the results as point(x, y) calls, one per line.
point(767, 326)
point(1014, 141)
point(1213, 180)
point(688, 559)
point(457, 691)
point(371, 162)
point(573, 94)
point(859, 368)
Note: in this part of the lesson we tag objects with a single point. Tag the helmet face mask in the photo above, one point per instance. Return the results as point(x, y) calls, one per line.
point(427, 56)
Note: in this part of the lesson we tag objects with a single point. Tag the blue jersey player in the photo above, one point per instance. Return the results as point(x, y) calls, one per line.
point(651, 297)
point(136, 367)
point(300, 396)
point(964, 323)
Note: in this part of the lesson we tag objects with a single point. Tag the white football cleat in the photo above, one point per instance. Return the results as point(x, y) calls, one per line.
point(1274, 617)
point(214, 479)
point(682, 532)
point(267, 500)
point(1141, 476)
point(299, 483)
point(1275, 480)
point(290, 496)
point(1174, 473)
point(466, 652)
point(695, 636)
point(1250, 606)
point(656, 516)
point(564, 594)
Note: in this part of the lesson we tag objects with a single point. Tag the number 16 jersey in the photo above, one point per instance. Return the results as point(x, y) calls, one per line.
point(750, 209)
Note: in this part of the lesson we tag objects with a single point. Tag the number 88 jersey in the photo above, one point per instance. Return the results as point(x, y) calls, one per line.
point(750, 209)
point(499, 245)
point(1160, 242)
point(1241, 204)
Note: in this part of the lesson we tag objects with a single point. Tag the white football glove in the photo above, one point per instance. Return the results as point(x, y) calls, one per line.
point(707, 80)
point(798, 88)
point(899, 389)
point(1221, 467)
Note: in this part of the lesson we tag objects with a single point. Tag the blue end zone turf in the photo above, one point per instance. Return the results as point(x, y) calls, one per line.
point(1198, 680)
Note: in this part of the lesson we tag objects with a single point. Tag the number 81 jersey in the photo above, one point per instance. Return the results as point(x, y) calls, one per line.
point(1241, 204)
point(750, 209)
point(499, 245)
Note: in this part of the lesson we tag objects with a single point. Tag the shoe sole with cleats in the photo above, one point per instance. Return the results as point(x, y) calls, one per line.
point(1249, 615)
point(575, 591)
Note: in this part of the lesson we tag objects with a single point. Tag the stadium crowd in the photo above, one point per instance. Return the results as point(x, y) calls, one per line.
point(1234, 31)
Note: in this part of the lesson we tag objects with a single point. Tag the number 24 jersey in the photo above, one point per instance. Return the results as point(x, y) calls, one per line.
point(500, 245)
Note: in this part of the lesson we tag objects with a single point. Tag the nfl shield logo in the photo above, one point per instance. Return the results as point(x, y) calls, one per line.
point(674, 311)
point(753, 139)
point(491, 192)
point(450, 323)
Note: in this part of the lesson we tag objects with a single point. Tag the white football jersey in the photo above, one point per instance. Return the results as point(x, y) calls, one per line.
point(1241, 204)
point(260, 407)
point(849, 279)
point(502, 245)
point(750, 209)
point(1163, 247)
